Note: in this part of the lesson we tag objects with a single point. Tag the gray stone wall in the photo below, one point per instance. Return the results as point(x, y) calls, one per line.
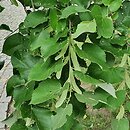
point(11, 16)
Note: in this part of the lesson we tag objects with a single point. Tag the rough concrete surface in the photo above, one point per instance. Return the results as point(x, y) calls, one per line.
point(11, 16)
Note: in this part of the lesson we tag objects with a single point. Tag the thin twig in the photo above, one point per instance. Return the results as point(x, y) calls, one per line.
point(33, 5)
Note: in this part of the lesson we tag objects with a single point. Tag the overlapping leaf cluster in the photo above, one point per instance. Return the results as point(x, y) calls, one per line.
point(61, 45)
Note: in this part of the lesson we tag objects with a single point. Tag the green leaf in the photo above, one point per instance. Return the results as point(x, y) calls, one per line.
point(40, 40)
point(117, 74)
point(91, 98)
point(69, 123)
point(13, 43)
point(52, 45)
point(24, 63)
point(45, 91)
point(126, 21)
point(115, 5)
point(19, 125)
point(22, 94)
point(74, 59)
point(53, 18)
point(63, 51)
point(86, 98)
point(86, 78)
point(14, 2)
point(106, 2)
point(110, 75)
point(127, 106)
point(33, 127)
point(43, 69)
point(71, 10)
point(122, 124)
point(127, 79)
point(13, 82)
point(5, 27)
point(63, 95)
point(12, 118)
point(115, 103)
point(106, 28)
point(1, 8)
point(81, 2)
point(118, 40)
point(60, 119)
point(104, 24)
point(43, 118)
point(35, 18)
point(25, 110)
point(121, 113)
point(108, 88)
point(85, 26)
point(73, 82)
point(93, 53)
point(105, 45)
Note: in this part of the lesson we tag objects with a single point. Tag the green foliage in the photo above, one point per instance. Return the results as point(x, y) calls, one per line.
point(68, 54)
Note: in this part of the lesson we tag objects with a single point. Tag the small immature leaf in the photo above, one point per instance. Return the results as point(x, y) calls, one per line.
point(60, 118)
point(63, 96)
point(35, 18)
point(74, 59)
point(121, 113)
point(122, 124)
point(45, 91)
point(124, 60)
point(127, 79)
point(108, 88)
point(71, 10)
point(85, 26)
point(63, 51)
point(72, 80)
